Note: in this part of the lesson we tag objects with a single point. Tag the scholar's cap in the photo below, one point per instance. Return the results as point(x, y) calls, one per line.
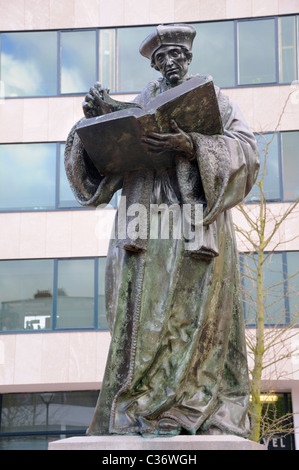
point(168, 35)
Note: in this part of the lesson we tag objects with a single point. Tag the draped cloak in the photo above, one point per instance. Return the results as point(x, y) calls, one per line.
point(177, 334)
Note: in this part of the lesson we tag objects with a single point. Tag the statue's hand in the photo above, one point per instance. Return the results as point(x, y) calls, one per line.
point(179, 142)
point(94, 105)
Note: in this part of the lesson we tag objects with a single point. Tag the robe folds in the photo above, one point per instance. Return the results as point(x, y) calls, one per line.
point(177, 348)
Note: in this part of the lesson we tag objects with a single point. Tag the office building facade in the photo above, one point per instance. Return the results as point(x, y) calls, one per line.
point(54, 336)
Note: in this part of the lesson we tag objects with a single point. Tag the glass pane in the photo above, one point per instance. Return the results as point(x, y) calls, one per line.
point(29, 63)
point(273, 289)
point(268, 146)
point(290, 165)
point(26, 294)
point(287, 48)
point(213, 52)
point(78, 61)
point(134, 70)
point(274, 301)
point(102, 322)
point(248, 275)
point(66, 196)
point(293, 285)
point(107, 59)
point(256, 49)
point(75, 299)
point(42, 412)
point(27, 176)
point(26, 442)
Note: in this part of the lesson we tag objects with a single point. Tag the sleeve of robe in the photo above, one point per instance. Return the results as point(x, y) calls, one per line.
point(88, 185)
point(228, 164)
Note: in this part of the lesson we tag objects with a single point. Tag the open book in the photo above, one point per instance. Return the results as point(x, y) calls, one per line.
point(113, 141)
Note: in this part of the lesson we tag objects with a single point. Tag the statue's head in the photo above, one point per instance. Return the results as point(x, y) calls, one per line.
point(169, 49)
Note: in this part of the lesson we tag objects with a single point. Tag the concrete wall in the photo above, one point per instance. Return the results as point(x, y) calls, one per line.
point(52, 14)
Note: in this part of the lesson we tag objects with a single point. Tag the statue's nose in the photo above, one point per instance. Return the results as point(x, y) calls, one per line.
point(169, 60)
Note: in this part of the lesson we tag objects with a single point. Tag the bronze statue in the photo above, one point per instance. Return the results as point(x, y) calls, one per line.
point(177, 361)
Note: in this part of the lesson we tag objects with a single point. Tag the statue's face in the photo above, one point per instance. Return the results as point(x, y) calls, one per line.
point(172, 62)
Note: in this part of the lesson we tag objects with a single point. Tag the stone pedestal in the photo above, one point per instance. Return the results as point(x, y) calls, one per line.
point(172, 444)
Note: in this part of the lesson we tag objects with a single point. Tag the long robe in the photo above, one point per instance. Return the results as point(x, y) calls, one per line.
point(177, 331)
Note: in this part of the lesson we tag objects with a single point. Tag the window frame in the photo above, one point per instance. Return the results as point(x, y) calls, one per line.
point(59, 58)
point(237, 56)
point(237, 22)
point(47, 433)
point(285, 288)
point(59, 206)
point(54, 328)
point(280, 162)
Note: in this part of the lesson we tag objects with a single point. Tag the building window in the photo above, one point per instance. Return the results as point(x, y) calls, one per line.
point(290, 165)
point(214, 52)
point(65, 196)
point(75, 293)
point(280, 288)
point(279, 153)
point(235, 52)
point(287, 49)
point(29, 421)
point(27, 176)
point(39, 181)
point(134, 70)
point(107, 60)
point(78, 61)
point(56, 294)
point(101, 308)
point(269, 155)
point(52, 294)
point(256, 52)
point(29, 63)
point(26, 293)
point(292, 286)
point(32, 177)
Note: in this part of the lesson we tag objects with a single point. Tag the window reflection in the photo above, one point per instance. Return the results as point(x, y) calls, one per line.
point(26, 295)
point(290, 160)
point(293, 285)
point(274, 300)
point(134, 69)
point(29, 63)
point(52, 294)
point(256, 50)
point(78, 61)
point(275, 310)
point(75, 294)
point(268, 147)
point(213, 52)
point(40, 414)
point(27, 176)
point(29, 60)
point(287, 48)
point(107, 59)
point(66, 196)
point(249, 288)
point(101, 294)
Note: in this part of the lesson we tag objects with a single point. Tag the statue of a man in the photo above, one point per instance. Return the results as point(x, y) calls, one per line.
point(177, 361)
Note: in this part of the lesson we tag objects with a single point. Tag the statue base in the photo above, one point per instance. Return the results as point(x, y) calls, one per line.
point(175, 443)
